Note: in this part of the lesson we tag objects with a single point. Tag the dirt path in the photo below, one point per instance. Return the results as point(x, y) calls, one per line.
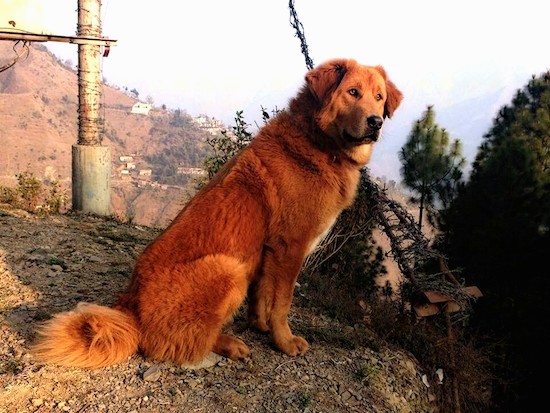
point(50, 264)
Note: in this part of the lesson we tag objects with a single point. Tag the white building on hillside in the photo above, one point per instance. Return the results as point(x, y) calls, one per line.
point(142, 108)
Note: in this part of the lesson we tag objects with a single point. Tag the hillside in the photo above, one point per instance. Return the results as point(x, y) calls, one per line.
point(39, 116)
point(48, 265)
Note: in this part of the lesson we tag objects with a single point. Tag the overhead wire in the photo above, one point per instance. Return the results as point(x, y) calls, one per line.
point(24, 50)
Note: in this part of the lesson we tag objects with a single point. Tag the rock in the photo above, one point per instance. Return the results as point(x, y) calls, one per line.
point(346, 395)
point(211, 360)
point(152, 374)
point(37, 402)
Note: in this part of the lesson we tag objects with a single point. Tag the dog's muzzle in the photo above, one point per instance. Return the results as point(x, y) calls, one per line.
point(374, 124)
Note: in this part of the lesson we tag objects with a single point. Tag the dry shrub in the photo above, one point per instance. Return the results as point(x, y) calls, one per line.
point(34, 196)
point(427, 339)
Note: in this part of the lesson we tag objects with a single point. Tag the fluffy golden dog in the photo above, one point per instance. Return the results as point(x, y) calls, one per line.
point(246, 233)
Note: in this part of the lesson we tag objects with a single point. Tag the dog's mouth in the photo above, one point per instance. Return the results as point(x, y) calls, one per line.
point(371, 136)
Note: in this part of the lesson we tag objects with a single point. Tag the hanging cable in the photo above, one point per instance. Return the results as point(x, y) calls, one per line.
point(295, 23)
point(24, 50)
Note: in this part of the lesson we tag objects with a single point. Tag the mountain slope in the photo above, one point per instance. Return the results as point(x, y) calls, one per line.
point(39, 125)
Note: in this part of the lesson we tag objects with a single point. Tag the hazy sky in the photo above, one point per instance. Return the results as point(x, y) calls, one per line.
point(219, 56)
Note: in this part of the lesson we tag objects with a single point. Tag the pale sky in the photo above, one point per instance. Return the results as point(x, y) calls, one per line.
point(218, 56)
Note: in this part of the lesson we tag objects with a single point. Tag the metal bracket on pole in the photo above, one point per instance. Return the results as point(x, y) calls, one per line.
point(34, 37)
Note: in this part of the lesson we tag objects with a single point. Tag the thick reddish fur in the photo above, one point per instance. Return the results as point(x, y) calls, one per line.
point(246, 232)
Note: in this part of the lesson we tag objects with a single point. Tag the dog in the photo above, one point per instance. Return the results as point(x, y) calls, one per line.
point(244, 235)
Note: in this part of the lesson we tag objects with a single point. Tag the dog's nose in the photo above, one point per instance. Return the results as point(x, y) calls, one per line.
point(375, 122)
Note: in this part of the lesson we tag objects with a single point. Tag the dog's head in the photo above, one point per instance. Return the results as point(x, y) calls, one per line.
point(354, 101)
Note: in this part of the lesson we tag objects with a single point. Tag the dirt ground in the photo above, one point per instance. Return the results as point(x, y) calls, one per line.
point(48, 265)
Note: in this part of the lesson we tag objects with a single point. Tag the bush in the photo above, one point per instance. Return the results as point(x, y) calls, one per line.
point(34, 196)
point(28, 190)
point(228, 144)
point(55, 200)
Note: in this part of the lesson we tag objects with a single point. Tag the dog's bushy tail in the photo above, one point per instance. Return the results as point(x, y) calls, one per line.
point(91, 336)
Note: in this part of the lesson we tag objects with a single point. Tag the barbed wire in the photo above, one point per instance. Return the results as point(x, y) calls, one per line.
point(295, 23)
point(91, 109)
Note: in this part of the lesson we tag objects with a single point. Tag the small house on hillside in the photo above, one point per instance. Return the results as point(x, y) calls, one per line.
point(211, 125)
point(142, 108)
point(190, 171)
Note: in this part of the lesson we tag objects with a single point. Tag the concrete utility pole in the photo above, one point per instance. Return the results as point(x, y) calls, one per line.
point(91, 162)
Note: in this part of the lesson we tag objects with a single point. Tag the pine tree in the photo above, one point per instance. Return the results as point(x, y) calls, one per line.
point(431, 164)
point(497, 230)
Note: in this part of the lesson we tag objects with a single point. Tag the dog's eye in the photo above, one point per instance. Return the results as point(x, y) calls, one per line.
point(378, 96)
point(353, 92)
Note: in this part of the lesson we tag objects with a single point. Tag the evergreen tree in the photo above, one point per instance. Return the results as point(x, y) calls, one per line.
point(497, 230)
point(431, 164)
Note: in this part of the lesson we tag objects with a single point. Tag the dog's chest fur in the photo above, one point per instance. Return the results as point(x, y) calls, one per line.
point(344, 195)
point(307, 189)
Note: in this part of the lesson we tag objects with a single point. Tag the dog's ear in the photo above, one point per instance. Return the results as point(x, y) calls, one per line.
point(326, 77)
point(394, 96)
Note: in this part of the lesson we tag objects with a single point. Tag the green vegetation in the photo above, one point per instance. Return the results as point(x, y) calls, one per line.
point(180, 119)
point(366, 373)
point(345, 267)
point(497, 230)
point(227, 145)
point(431, 164)
point(11, 366)
point(34, 196)
point(185, 147)
point(494, 227)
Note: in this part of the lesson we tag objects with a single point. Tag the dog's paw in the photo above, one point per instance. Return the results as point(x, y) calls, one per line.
point(231, 347)
point(293, 346)
point(238, 351)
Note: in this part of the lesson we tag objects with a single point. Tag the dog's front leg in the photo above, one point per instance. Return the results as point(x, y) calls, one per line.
point(280, 330)
point(272, 297)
